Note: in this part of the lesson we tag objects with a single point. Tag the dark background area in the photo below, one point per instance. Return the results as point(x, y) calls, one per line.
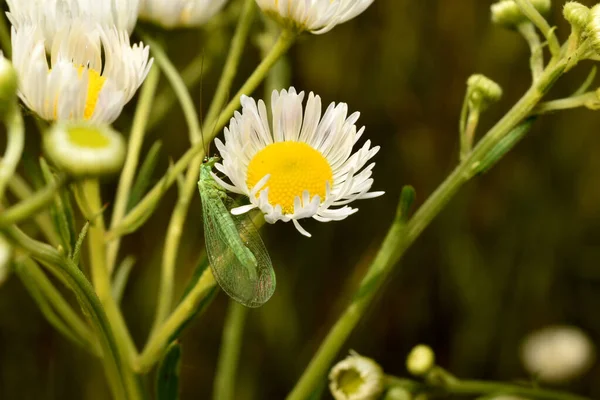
point(517, 249)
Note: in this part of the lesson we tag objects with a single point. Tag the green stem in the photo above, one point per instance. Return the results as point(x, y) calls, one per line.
point(136, 139)
point(15, 132)
point(32, 205)
point(49, 299)
point(589, 99)
point(5, 41)
point(182, 313)
point(536, 61)
point(231, 344)
point(467, 137)
point(472, 387)
point(90, 190)
point(22, 191)
point(399, 237)
point(540, 22)
point(86, 297)
point(283, 43)
point(181, 91)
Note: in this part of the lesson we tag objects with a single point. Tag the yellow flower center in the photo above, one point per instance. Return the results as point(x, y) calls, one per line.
point(95, 84)
point(88, 137)
point(294, 168)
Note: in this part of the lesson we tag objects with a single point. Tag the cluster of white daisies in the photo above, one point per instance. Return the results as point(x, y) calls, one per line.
point(75, 62)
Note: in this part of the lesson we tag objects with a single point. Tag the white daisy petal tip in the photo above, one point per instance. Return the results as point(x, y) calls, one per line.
point(317, 17)
point(299, 165)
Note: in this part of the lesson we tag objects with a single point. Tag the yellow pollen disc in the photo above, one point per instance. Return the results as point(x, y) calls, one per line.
point(294, 168)
point(95, 84)
point(88, 137)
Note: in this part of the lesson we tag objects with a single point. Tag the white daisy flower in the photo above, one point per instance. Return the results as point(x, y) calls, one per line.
point(304, 167)
point(179, 13)
point(53, 16)
point(356, 378)
point(88, 79)
point(316, 16)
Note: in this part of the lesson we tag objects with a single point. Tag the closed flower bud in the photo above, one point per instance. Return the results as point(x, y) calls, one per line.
point(356, 378)
point(508, 14)
point(557, 354)
point(482, 92)
point(8, 85)
point(83, 149)
point(5, 259)
point(576, 14)
point(593, 27)
point(420, 360)
point(397, 393)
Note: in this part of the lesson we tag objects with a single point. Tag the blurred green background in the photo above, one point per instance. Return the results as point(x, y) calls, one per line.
point(517, 249)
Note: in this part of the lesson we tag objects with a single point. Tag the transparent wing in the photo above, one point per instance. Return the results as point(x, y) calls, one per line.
point(247, 278)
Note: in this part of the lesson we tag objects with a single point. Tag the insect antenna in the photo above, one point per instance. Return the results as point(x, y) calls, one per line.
point(214, 128)
point(200, 113)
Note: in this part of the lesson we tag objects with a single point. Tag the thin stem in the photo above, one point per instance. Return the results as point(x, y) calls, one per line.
point(136, 139)
point(231, 344)
point(399, 238)
point(86, 296)
point(182, 313)
point(466, 139)
point(5, 41)
point(22, 191)
point(32, 205)
point(540, 22)
point(536, 60)
point(589, 100)
point(15, 132)
point(90, 189)
point(472, 387)
point(178, 218)
point(283, 43)
point(181, 91)
point(42, 288)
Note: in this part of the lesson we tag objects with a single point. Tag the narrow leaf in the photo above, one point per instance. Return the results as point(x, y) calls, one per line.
point(80, 239)
point(121, 277)
point(144, 175)
point(167, 377)
point(407, 198)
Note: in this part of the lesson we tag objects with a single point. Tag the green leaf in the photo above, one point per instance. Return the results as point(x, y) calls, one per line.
point(61, 212)
point(407, 198)
point(144, 175)
point(167, 377)
point(82, 235)
point(121, 277)
point(504, 146)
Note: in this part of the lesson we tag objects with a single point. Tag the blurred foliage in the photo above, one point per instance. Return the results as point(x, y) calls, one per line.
point(517, 249)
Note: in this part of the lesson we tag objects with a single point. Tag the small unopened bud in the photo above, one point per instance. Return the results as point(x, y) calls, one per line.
point(508, 14)
point(593, 27)
point(5, 259)
point(482, 92)
point(576, 14)
point(356, 378)
point(397, 393)
point(8, 85)
point(420, 360)
point(82, 149)
point(557, 354)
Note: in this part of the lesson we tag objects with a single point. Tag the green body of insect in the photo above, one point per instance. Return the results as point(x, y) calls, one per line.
point(236, 253)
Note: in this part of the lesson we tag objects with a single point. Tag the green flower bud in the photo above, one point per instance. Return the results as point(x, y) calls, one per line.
point(593, 27)
point(6, 252)
point(482, 92)
point(8, 85)
point(356, 378)
point(82, 149)
point(397, 393)
point(508, 14)
point(576, 14)
point(420, 360)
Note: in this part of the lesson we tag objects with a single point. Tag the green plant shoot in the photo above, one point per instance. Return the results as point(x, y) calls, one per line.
point(236, 253)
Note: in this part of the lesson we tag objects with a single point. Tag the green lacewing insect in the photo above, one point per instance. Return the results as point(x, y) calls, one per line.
point(237, 255)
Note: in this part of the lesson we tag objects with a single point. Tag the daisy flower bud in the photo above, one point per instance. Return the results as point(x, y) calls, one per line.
point(593, 27)
point(83, 150)
point(92, 74)
point(179, 13)
point(576, 14)
point(482, 92)
point(356, 378)
point(315, 16)
point(557, 354)
point(397, 393)
point(301, 166)
point(6, 252)
point(420, 360)
point(8, 85)
point(508, 14)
